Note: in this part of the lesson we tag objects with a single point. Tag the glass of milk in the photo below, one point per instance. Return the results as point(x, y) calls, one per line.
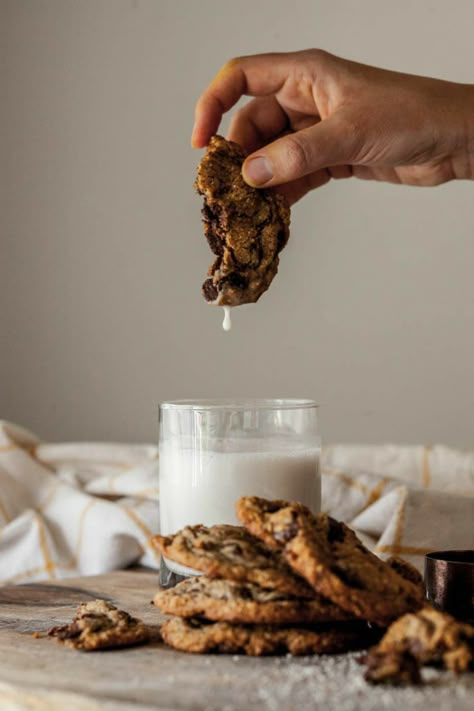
point(212, 452)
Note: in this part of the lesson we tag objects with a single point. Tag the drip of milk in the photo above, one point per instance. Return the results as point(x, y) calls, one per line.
point(203, 487)
point(227, 322)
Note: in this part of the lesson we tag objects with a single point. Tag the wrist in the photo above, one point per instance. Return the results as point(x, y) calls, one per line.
point(463, 154)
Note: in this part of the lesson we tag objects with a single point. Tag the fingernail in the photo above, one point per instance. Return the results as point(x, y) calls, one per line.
point(258, 171)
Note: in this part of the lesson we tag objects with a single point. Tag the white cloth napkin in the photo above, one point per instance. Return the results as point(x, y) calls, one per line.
point(74, 509)
point(85, 508)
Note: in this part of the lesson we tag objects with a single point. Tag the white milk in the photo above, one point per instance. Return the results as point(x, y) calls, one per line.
point(227, 322)
point(203, 487)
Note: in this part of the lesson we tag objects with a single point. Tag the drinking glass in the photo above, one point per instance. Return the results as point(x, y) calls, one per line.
point(212, 452)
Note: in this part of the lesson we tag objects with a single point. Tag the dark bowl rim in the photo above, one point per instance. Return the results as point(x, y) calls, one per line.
point(442, 556)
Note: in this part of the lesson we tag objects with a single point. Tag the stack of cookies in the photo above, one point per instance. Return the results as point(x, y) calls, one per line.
point(285, 581)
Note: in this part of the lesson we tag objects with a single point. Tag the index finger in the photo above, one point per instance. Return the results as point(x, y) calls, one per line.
point(256, 75)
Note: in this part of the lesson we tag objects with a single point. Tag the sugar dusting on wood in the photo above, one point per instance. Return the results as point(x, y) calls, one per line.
point(336, 683)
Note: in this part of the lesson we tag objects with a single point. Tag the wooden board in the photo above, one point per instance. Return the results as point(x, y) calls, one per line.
point(40, 675)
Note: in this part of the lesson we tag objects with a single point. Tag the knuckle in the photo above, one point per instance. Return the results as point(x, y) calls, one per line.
point(319, 55)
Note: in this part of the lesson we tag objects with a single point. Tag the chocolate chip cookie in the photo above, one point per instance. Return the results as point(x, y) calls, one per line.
point(331, 558)
point(99, 625)
point(200, 637)
point(396, 668)
point(232, 552)
point(430, 637)
point(225, 600)
point(246, 228)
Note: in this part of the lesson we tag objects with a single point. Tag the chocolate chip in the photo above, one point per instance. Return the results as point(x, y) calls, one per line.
point(65, 632)
point(213, 239)
point(209, 290)
point(282, 239)
point(245, 594)
point(336, 533)
point(236, 280)
point(287, 533)
point(212, 228)
point(348, 577)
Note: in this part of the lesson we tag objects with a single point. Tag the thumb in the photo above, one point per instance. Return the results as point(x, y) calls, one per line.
point(295, 155)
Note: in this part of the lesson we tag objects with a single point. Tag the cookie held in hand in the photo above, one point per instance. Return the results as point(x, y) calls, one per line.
point(245, 227)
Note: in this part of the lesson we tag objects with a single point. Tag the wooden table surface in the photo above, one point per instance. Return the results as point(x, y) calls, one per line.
point(39, 674)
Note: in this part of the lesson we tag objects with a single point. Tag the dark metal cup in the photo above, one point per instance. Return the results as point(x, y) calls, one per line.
point(449, 582)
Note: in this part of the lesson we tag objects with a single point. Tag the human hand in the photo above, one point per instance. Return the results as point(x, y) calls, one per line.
point(316, 116)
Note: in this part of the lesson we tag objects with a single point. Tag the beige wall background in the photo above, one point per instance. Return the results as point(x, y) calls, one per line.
point(102, 252)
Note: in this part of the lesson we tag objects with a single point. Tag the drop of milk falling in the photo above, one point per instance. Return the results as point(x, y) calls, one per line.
point(226, 323)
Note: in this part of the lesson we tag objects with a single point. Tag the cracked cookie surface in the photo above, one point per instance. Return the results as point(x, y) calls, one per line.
point(231, 552)
point(245, 227)
point(225, 600)
point(100, 625)
point(328, 554)
point(200, 637)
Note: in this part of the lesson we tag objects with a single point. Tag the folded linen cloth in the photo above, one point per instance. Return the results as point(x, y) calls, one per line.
point(404, 501)
point(74, 509)
point(85, 508)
